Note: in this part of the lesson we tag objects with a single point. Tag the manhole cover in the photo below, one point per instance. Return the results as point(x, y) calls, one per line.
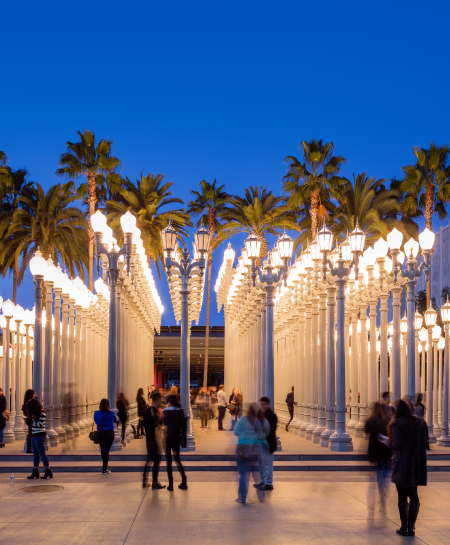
point(42, 489)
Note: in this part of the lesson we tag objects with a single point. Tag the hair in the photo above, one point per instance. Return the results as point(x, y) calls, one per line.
point(1, 390)
point(419, 398)
point(292, 388)
point(265, 399)
point(173, 388)
point(385, 395)
point(252, 412)
point(403, 411)
point(34, 407)
point(139, 394)
point(155, 396)
point(104, 405)
point(29, 394)
point(221, 387)
point(377, 411)
point(173, 400)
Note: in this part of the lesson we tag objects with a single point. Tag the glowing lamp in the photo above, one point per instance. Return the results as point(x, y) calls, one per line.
point(168, 238)
point(98, 222)
point(418, 320)
point(404, 324)
point(253, 246)
point(411, 248)
point(201, 238)
point(128, 223)
point(441, 343)
point(325, 239)
point(37, 264)
point(357, 239)
point(426, 239)
point(436, 333)
point(423, 335)
point(369, 256)
point(285, 246)
point(445, 312)
point(8, 308)
point(381, 248)
point(430, 316)
point(19, 314)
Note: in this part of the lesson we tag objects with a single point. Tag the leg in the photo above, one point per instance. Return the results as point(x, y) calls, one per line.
point(148, 461)
point(35, 453)
point(242, 493)
point(42, 454)
point(413, 511)
point(176, 453)
point(221, 417)
point(403, 510)
point(1, 437)
point(156, 462)
point(261, 464)
point(269, 468)
point(169, 460)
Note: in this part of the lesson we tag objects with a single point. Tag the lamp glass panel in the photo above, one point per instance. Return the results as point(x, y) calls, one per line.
point(418, 321)
point(357, 240)
point(98, 222)
point(445, 312)
point(381, 248)
point(404, 324)
point(395, 239)
point(285, 246)
point(38, 264)
point(430, 317)
point(423, 335)
point(426, 239)
point(411, 248)
point(325, 239)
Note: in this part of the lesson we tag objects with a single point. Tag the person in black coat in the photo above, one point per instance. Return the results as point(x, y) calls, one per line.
point(29, 395)
point(409, 463)
point(290, 404)
point(174, 417)
point(141, 408)
point(379, 453)
point(267, 448)
point(2, 420)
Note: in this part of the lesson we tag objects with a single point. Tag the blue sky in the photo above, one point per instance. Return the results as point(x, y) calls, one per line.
point(204, 90)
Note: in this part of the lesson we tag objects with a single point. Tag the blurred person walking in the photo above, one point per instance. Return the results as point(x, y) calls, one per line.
point(222, 402)
point(379, 453)
point(152, 424)
point(38, 416)
point(204, 408)
point(141, 408)
point(122, 404)
point(250, 433)
point(214, 405)
point(29, 395)
point(175, 422)
point(236, 402)
point(2, 416)
point(267, 444)
point(386, 406)
point(419, 411)
point(409, 463)
point(290, 405)
point(105, 419)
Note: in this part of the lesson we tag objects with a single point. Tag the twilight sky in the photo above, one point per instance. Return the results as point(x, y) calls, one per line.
point(203, 90)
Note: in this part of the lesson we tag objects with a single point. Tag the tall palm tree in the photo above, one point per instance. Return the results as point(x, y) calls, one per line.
point(148, 200)
point(51, 223)
point(210, 204)
point(376, 210)
point(95, 163)
point(259, 212)
point(13, 182)
point(305, 181)
point(427, 184)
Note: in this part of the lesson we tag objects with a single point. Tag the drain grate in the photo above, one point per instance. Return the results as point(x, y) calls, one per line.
point(42, 489)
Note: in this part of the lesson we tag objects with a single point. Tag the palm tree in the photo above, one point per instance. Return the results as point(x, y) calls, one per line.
point(210, 204)
point(13, 183)
point(147, 200)
point(96, 164)
point(305, 181)
point(427, 185)
point(259, 212)
point(376, 210)
point(49, 222)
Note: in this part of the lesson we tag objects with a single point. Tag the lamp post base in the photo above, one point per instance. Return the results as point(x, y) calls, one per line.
point(317, 435)
point(443, 442)
point(340, 442)
point(325, 438)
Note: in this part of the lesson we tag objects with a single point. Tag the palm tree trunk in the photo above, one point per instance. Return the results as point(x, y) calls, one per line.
point(15, 277)
point(314, 213)
point(91, 202)
point(263, 248)
point(429, 202)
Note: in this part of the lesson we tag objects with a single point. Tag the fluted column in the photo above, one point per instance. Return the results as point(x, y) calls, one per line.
point(363, 368)
point(321, 425)
point(314, 367)
point(351, 424)
point(19, 432)
point(8, 434)
point(383, 343)
point(57, 373)
point(373, 358)
point(330, 368)
point(430, 382)
point(436, 427)
point(84, 424)
point(308, 376)
point(72, 371)
point(347, 317)
point(48, 378)
point(65, 376)
point(395, 364)
point(439, 391)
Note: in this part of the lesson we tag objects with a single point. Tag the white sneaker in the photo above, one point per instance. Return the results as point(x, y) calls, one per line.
point(107, 472)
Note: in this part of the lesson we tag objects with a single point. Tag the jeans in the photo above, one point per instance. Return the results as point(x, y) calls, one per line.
point(222, 411)
point(383, 476)
point(173, 444)
point(1, 436)
point(265, 461)
point(245, 467)
point(38, 445)
point(204, 413)
point(405, 492)
point(154, 456)
point(105, 440)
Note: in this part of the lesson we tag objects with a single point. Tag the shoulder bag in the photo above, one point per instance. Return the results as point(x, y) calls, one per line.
point(6, 414)
point(94, 435)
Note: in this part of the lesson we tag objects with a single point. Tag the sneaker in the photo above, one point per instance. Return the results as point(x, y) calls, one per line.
point(259, 485)
point(268, 487)
point(158, 486)
point(239, 500)
point(107, 472)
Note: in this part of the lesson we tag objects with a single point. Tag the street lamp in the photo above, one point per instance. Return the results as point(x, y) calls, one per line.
point(109, 250)
point(269, 281)
point(444, 439)
point(8, 313)
point(38, 266)
point(186, 268)
point(430, 316)
point(340, 440)
point(411, 273)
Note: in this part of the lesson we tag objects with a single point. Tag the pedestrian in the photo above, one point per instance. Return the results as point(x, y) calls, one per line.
point(409, 463)
point(222, 405)
point(379, 453)
point(152, 424)
point(105, 419)
point(174, 421)
point(122, 404)
point(141, 408)
point(204, 408)
point(2, 418)
point(29, 395)
point(267, 445)
point(290, 404)
point(420, 413)
point(214, 403)
point(386, 406)
point(37, 413)
point(236, 402)
point(249, 432)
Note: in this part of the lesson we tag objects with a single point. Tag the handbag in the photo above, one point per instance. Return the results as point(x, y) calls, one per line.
point(246, 452)
point(6, 415)
point(94, 435)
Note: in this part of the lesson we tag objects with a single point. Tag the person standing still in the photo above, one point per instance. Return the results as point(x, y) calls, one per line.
point(267, 446)
point(141, 408)
point(105, 419)
point(222, 399)
point(290, 404)
point(37, 413)
point(173, 415)
point(2, 419)
point(152, 421)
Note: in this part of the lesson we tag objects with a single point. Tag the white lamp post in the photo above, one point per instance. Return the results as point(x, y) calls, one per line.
point(430, 316)
point(8, 312)
point(436, 334)
point(19, 434)
point(38, 266)
point(444, 439)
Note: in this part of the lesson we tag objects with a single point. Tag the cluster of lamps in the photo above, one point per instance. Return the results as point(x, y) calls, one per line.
point(326, 341)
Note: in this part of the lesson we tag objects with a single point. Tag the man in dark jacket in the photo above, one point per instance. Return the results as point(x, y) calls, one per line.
point(269, 446)
point(290, 404)
point(152, 421)
point(2, 420)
